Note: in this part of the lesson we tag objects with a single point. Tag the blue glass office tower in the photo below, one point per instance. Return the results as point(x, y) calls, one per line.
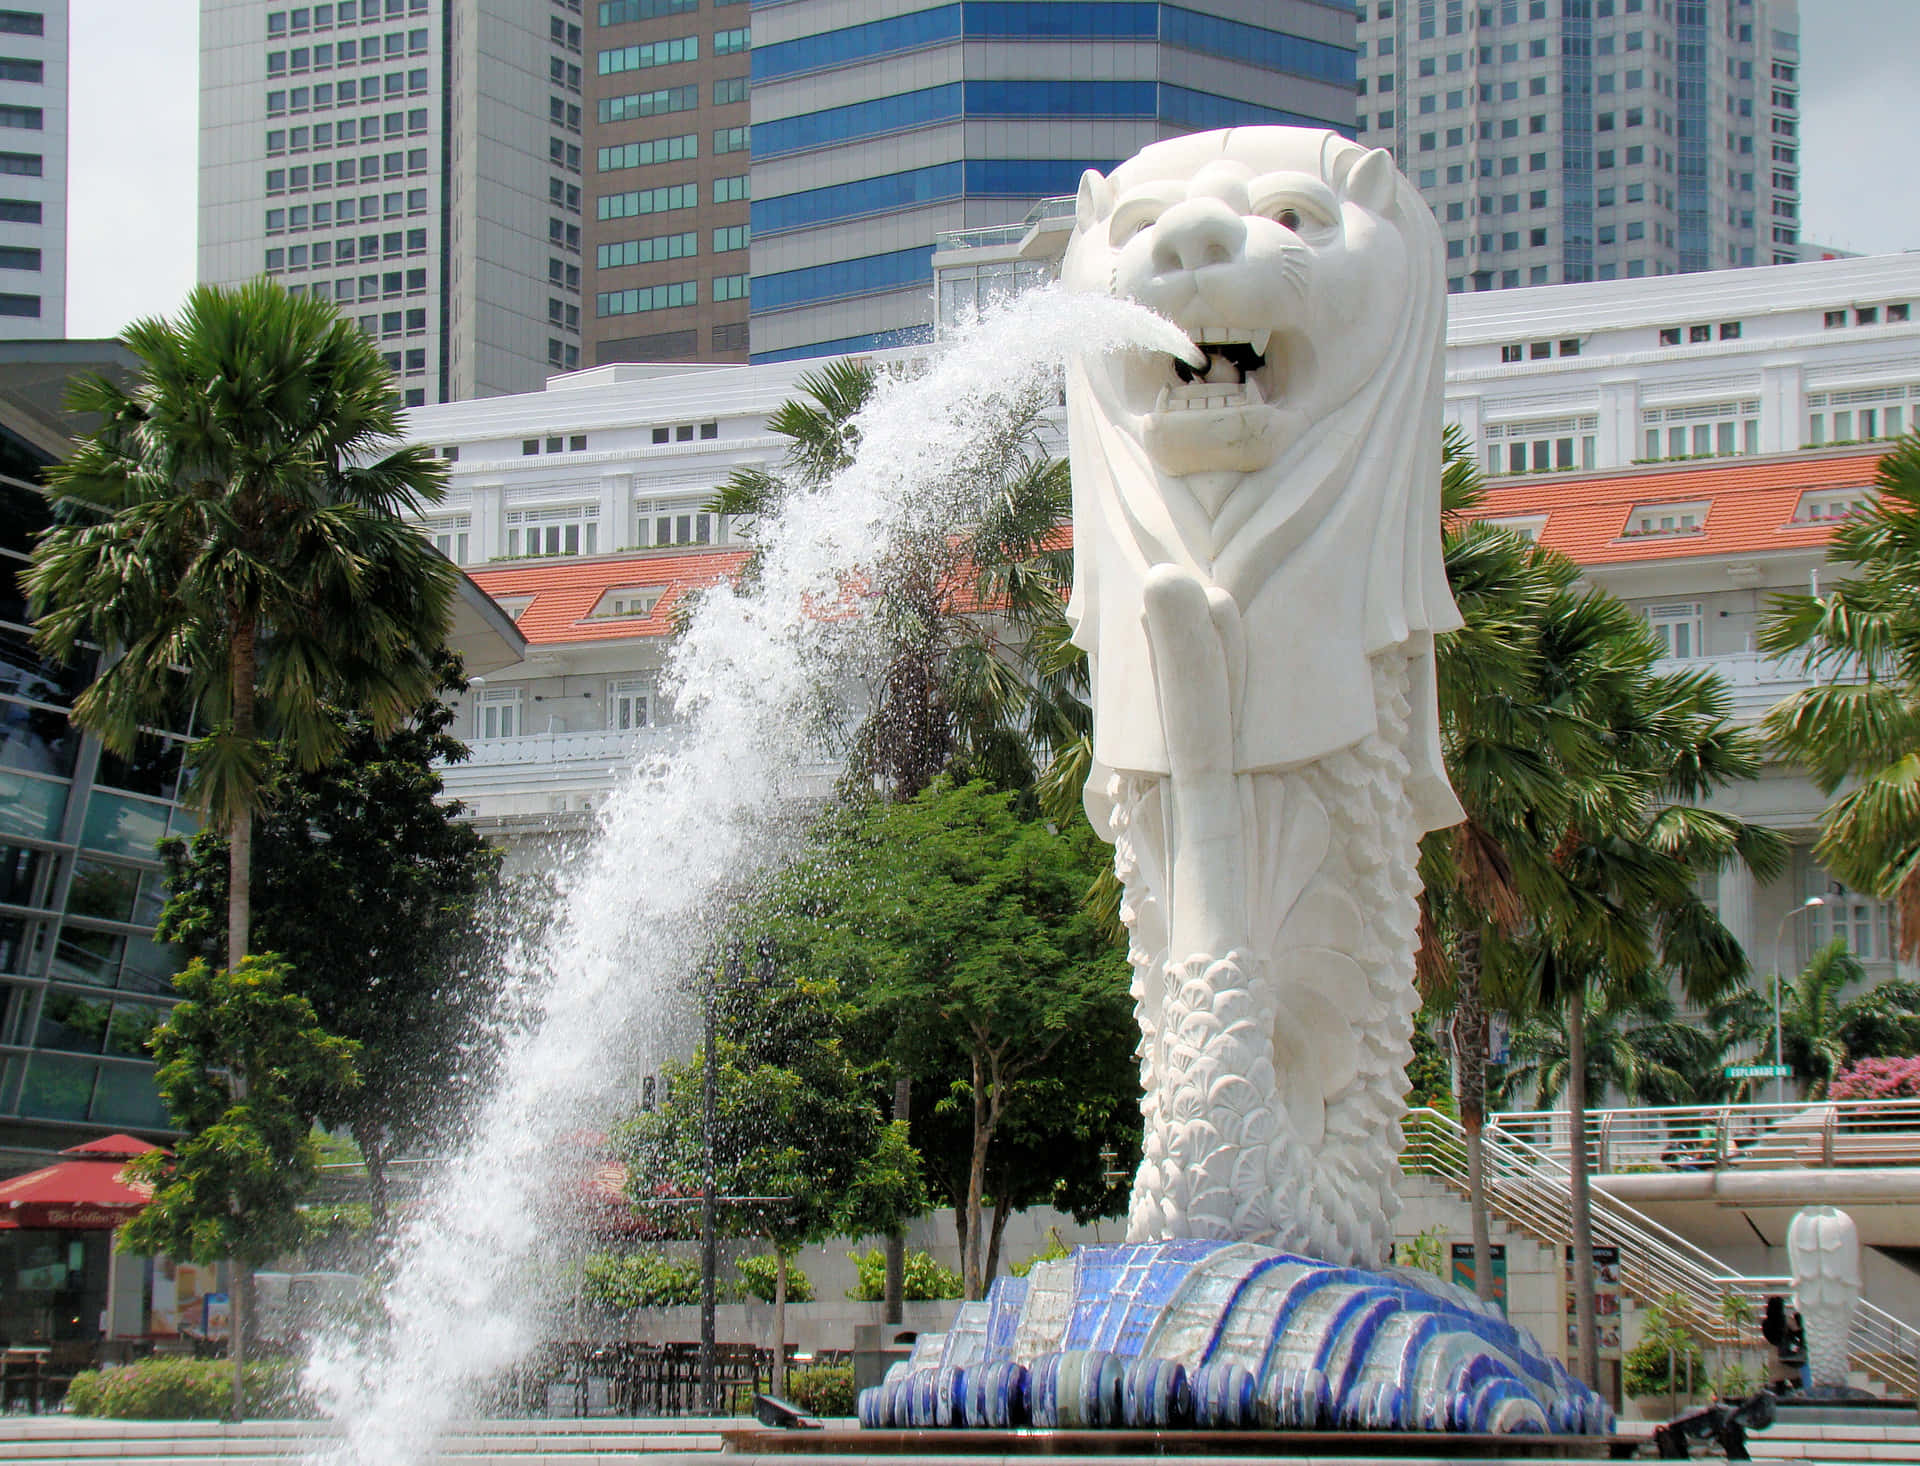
point(880, 123)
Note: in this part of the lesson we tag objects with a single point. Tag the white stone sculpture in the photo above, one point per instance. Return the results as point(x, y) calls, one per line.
point(1824, 1251)
point(1258, 582)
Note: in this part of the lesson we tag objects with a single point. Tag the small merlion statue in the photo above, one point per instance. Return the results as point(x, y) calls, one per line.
point(1824, 1251)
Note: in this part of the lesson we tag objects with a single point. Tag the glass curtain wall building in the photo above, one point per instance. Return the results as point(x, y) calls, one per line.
point(1570, 140)
point(82, 980)
point(875, 130)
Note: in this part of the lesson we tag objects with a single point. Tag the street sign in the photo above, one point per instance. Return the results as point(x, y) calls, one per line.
point(1759, 1071)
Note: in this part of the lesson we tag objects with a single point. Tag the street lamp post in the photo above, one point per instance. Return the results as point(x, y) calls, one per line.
point(1779, 936)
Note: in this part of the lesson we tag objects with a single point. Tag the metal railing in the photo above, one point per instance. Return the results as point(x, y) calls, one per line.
point(1532, 1192)
point(1804, 1136)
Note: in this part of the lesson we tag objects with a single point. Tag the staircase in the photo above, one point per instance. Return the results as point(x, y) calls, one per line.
point(1532, 1192)
point(43, 1440)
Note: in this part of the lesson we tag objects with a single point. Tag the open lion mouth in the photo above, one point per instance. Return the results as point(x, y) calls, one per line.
point(1230, 378)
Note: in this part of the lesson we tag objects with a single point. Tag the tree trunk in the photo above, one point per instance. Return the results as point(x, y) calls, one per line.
point(374, 1152)
point(240, 835)
point(970, 1268)
point(238, 1284)
point(779, 1320)
point(1586, 1326)
point(894, 1294)
point(1470, 1069)
point(960, 1229)
point(1001, 1211)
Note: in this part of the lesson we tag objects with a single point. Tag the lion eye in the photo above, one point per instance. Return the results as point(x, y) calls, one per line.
point(1290, 218)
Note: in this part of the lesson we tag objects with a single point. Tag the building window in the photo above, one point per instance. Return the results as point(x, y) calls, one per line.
point(496, 713)
point(1707, 430)
point(630, 699)
point(1676, 626)
point(1666, 519)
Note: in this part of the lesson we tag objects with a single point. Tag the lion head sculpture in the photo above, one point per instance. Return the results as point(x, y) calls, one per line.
point(1292, 460)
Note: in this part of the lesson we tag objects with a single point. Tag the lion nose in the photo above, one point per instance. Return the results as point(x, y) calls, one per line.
point(1195, 234)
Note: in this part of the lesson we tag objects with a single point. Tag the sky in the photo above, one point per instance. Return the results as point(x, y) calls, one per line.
point(132, 169)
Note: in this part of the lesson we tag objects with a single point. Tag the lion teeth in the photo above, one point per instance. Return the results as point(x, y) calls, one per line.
point(1259, 341)
point(1161, 404)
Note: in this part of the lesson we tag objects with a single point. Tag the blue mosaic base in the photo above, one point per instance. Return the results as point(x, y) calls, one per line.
point(1230, 1336)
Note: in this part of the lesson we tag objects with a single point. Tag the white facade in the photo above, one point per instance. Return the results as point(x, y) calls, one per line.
point(1732, 363)
point(415, 161)
point(563, 747)
point(33, 171)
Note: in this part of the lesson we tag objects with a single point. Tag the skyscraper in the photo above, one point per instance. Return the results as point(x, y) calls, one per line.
point(876, 127)
point(33, 160)
point(668, 156)
point(1567, 140)
point(416, 161)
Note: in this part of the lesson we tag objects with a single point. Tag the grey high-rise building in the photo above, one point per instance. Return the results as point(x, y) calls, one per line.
point(33, 171)
point(878, 125)
point(1568, 140)
point(416, 161)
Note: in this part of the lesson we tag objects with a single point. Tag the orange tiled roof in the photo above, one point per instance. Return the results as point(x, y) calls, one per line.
point(1750, 509)
point(1750, 506)
point(565, 591)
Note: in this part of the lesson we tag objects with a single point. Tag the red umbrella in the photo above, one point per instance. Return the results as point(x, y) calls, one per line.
point(85, 1193)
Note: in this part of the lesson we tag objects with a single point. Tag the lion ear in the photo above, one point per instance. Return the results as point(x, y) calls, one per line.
point(1095, 201)
point(1370, 183)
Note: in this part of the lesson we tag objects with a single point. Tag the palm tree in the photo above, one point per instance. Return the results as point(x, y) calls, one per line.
point(1636, 1043)
point(1627, 913)
point(1507, 747)
point(971, 605)
point(1863, 732)
point(1821, 1030)
point(230, 533)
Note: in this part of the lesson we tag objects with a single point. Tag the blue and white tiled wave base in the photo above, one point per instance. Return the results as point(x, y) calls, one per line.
point(1231, 1336)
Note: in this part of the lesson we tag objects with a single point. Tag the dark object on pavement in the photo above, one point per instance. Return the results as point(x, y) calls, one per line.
point(778, 1414)
point(1726, 1424)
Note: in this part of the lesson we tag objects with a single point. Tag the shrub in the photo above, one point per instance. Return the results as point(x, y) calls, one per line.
point(1877, 1079)
point(1052, 1252)
point(1667, 1356)
point(757, 1279)
point(185, 1389)
point(640, 1280)
point(924, 1278)
point(1736, 1382)
point(1426, 1251)
point(822, 1389)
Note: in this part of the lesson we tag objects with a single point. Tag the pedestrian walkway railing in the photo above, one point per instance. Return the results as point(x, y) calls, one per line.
point(1804, 1136)
point(1531, 1191)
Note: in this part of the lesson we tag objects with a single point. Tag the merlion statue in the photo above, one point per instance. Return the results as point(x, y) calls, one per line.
point(1824, 1252)
point(1257, 584)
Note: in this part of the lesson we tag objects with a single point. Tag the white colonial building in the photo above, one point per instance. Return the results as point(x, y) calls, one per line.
point(1689, 440)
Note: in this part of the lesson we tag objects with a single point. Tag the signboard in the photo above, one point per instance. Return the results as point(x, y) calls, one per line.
point(1497, 1261)
point(1759, 1071)
point(1606, 1301)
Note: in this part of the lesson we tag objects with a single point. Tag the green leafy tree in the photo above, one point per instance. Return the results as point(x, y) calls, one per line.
point(795, 1122)
point(1056, 1127)
point(955, 929)
point(232, 532)
point(244, 1066)
point(371, 887)
point(1857, 728)
point(980, 674)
